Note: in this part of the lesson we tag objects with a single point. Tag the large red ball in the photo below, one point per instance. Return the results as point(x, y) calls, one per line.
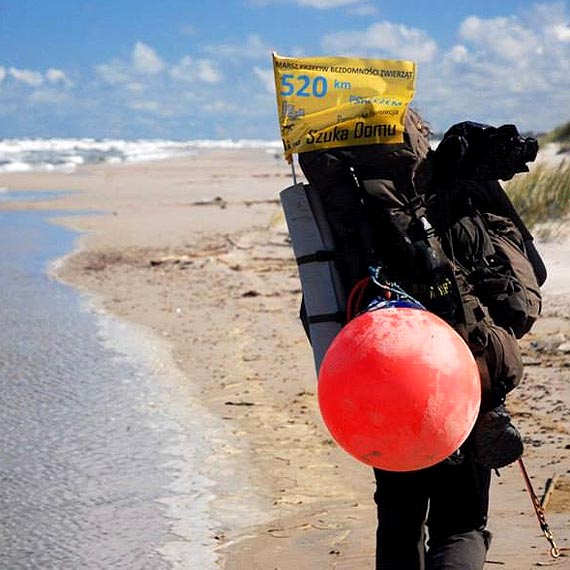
point(399, 389)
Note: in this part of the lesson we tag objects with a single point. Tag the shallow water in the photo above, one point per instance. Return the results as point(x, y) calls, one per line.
point(7, 196)
point(96, 469)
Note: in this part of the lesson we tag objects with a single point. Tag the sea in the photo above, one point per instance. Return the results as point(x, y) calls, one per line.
point(106, 453)
point(65, 155)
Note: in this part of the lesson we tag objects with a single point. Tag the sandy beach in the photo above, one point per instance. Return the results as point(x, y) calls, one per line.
point(195, 250)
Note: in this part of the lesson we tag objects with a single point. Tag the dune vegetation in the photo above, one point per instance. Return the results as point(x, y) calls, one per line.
point(560, 135)
point(543, 195)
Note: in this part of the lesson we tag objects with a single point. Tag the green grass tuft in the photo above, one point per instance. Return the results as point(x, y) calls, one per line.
point(560, 135)
point(542, 195)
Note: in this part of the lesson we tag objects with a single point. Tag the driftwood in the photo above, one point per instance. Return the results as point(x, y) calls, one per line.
point(548, 490)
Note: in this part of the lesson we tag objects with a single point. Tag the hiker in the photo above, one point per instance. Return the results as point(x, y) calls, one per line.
point(417, 214)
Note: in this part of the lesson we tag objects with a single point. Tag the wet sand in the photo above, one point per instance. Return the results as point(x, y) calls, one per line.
point(195, 249)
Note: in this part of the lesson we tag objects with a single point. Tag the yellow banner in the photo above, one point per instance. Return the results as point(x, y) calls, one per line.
point(327, 102)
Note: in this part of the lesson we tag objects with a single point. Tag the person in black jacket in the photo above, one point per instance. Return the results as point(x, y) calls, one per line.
point(451, 499)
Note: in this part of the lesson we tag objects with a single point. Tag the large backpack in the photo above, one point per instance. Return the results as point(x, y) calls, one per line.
point(481, 231)
point(430, 221)
point(489, 249)
point(378, 216)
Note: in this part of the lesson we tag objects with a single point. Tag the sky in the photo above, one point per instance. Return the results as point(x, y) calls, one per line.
point(201, 69)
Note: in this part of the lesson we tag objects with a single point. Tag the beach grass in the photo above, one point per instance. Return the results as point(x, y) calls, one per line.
point(560, 135)
point(542, 195)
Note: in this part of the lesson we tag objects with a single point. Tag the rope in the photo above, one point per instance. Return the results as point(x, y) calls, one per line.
point(539, 510)
point(351, 306)
point(389, 291)
point(391, 288)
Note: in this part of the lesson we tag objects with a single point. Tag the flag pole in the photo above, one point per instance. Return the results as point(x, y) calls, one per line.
point(293, 169)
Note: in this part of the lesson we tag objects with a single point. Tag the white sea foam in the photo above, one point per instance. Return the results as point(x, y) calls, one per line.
point(15, 166)
point(21, 155)
point(65, 155)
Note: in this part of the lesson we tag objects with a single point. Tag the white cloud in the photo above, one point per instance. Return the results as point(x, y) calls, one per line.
point(458, 54)
point(135, 87)
point(503, 38)
point(26, 76)
point(146, 87)
point(114, 72)
point(190, 70)
point(219, 106)
point(207, 72)
point(252, 48)
point(153, 107)
point(384, 39)
point(267, 78)
point(144, 105)
point(35, 88)
point(553, 20)
point(508, 69)
point(562, 32)
point(144, 70)
point(58, 76)
point(505, 70)
point(146, 60)
point(183, 70)
point(49, 96)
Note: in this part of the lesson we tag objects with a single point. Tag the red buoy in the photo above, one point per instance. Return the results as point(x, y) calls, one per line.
point(399, 389)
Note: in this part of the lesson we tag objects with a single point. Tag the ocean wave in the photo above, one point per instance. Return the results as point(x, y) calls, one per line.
point(64, 155)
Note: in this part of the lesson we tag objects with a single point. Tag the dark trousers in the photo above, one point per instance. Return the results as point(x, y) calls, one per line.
point(448, 500)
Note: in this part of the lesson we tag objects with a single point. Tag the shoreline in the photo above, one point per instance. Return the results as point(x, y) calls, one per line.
point(194, 250)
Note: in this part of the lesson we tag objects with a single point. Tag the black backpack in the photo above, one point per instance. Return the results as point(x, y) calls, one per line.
point(427, 217)
point(430, 222)
point(373, 198)
point(481, 232)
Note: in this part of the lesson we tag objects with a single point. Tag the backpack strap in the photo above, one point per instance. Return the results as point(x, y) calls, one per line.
point(318, 256)
point(487, 400)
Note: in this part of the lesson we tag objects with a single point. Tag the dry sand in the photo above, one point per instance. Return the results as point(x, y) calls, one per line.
point(195, 250)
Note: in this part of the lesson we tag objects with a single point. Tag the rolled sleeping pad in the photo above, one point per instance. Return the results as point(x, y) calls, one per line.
point(313, 245)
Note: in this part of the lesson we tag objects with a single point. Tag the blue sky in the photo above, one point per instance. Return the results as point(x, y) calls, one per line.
point(186, 69)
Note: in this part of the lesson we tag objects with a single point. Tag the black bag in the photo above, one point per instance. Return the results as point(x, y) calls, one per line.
point(412, 212)
point(492, 253)
point(495, 441)
point(374, 200)
point(481, 229)
point(482, 152)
